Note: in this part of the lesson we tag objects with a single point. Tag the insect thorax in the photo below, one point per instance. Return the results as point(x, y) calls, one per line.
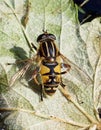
point(48, 49)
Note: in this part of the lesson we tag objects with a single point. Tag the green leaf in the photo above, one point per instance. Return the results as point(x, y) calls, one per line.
point(3, 80)
point(76, 106)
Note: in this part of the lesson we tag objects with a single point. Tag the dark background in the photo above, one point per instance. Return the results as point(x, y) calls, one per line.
point(92, 9)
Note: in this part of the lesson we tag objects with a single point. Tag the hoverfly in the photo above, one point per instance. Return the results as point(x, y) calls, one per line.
point(49, 65)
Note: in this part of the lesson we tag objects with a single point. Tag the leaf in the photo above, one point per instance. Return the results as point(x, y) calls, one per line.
point(76, 106)
point(3, 80)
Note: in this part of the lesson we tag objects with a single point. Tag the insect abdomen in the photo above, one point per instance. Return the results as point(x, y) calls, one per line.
point(50, 78)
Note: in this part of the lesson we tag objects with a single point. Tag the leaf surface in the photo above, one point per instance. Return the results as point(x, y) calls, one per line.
point(20, 24)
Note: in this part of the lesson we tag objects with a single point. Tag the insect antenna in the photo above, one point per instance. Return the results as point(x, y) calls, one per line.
point(45, 31)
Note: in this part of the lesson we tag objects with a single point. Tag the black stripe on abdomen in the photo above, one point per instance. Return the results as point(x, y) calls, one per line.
point(50, 89)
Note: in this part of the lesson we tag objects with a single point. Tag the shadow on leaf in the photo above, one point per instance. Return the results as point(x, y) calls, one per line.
point(21, 61)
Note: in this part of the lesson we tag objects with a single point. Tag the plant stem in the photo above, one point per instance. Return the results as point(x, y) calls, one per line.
point(47, 117)
point(22, 28)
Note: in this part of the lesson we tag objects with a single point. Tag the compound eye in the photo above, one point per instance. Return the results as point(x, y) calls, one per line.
point(45, 37)
point(52, 37)
point(40, 37)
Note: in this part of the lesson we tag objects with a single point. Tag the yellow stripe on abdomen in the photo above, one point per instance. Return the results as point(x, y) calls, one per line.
point(44, 70)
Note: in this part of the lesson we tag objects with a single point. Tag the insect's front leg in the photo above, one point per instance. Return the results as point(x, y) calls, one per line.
point(36, 72)
point(34, 75)
point(41, 85)
point(37, 69)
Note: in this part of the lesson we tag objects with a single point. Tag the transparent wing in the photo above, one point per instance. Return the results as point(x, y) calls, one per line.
point(76, 68)
point(19, 74)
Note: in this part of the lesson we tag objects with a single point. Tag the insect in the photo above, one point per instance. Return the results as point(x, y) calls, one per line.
point(49, 65)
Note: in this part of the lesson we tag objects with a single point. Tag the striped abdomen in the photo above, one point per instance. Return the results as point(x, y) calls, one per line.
point(50, 76)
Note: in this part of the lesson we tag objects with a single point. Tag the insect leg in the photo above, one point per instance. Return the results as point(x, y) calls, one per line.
point(62, 84)
point(67, 66)
point(41, 91)
point(64, 65)
point(34, 75)
point(42, 87)
point(36, 70)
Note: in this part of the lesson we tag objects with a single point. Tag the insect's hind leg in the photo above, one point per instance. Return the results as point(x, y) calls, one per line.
point(67, 66)
point(41, 85)
point(62, 84)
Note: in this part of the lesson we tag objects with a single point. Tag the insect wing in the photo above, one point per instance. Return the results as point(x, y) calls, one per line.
point(76, 69)
point(19, 74)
